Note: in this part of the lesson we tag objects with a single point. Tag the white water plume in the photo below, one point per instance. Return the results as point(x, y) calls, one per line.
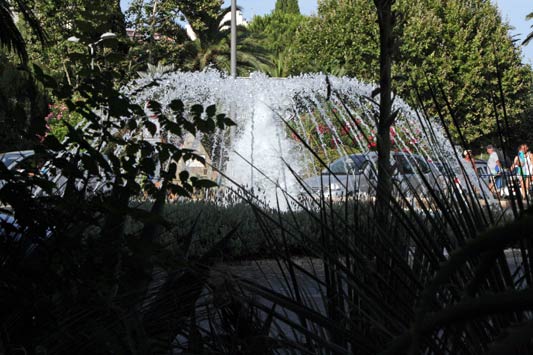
point(335, 116)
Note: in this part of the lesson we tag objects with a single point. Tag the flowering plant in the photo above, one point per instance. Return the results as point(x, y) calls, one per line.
point(56, 118)
point(331, 135)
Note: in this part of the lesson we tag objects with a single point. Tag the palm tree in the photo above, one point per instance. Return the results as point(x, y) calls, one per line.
point(530, 35)
point(10, 36)
point(213, 46)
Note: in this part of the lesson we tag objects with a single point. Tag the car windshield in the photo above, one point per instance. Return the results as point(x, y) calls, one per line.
point(8, 158)
point(352, 164)
point(408, 164)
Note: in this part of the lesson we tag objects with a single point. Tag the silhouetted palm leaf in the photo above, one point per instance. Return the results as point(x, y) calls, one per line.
point(529, 37)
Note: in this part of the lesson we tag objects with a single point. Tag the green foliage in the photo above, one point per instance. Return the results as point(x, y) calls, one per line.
point(200, 15)
point(287, 7)
point(58, 120)
point(249, 241)
point(69, 268)
point(450, 42)
point(213, 46)
point(94, 273)
point(161, 38)
point(60, 60)
point(342, 39)
point(157, 34)
point(275, 32)
point(85, 20)
point(10, 36)
point(22, 105)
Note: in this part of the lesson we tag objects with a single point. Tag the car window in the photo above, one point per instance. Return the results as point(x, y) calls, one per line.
point(353, 164)
point(402, 164)
point(9, 158)
point(408, 164)
point(422, 165)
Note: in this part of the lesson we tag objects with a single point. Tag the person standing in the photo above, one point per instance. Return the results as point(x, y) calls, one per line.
point(522, 168)
point(528, 167)
point(469, 171)
point(495, 169)
point(469, 158)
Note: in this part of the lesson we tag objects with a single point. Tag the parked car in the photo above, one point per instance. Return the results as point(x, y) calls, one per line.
point(23, 162)
point(11, 159)
point(32, 163)
point(356, 173)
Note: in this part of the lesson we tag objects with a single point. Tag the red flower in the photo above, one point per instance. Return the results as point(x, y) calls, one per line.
point(345, 130)
point(41, 138)
point(294, 136)
point(323, 129)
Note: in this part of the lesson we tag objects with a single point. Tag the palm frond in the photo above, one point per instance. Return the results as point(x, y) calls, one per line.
point(529, 37)
point(10, 36)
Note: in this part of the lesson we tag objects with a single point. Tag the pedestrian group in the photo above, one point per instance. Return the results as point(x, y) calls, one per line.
point(521, 169)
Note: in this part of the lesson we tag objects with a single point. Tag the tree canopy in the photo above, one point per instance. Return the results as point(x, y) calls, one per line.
point(462, 46)
point(458, 45)
point(275, 32)
point(287, 7)
point(10, 35)
point(157, 34)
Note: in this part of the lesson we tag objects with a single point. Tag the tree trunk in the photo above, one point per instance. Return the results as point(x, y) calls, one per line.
point(385, 120)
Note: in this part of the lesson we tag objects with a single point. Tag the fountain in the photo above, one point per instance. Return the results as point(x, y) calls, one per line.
point(335, 116)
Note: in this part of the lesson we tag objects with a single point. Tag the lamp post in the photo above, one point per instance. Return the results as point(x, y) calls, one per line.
point(234, 38)
point(92, 46)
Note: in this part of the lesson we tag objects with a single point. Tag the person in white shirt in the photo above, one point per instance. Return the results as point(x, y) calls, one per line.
point(495, 169)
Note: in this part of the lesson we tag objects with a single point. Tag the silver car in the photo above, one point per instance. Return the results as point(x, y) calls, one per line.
point(356, 174)
point(32, 163)
point(11, 159)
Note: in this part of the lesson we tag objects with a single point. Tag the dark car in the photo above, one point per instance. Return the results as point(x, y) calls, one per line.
point(356, 173)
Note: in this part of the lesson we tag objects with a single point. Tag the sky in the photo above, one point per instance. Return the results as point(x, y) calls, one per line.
point(513, 11)
point(260, 7)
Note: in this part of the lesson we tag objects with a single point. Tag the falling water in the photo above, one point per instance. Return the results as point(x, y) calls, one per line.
point(335, 116)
